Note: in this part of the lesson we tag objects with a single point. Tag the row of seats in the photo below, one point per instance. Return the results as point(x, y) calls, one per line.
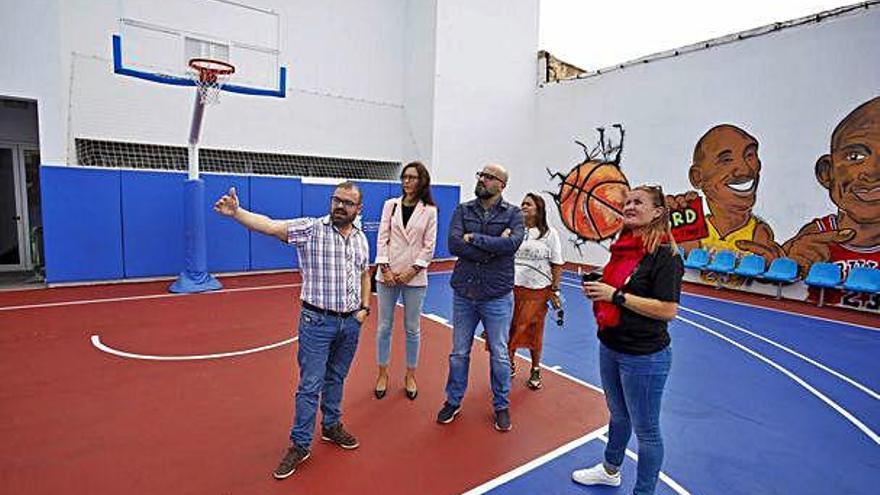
point(783, 271)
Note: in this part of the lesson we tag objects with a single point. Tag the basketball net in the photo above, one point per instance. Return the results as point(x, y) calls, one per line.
point(209, 76)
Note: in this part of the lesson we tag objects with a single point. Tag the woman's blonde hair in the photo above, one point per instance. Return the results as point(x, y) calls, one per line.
point(660, 229)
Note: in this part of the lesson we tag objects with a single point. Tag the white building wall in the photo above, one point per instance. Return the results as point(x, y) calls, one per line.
point(788, 89)
point(345, 94)
point(484, 107)
point(32, 66)
point(420, 67)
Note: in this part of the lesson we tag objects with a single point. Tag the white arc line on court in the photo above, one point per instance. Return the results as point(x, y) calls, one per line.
point(837, 407)
point(96, 341)
point(663, 476)
point(537, 462)
point(817, 364)
point(521, 470)
point(147, 296)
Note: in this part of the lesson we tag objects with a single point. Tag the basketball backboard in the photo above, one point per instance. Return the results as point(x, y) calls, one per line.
point(157, 39)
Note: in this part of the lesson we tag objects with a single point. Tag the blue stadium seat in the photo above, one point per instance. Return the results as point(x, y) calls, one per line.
point(751, 266)
point(782, 271)
point(863, 279)
point(823, 275)
point(697, 258)
point(722, 263)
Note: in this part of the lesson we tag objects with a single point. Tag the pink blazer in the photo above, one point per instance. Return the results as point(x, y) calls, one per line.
point(402, 247)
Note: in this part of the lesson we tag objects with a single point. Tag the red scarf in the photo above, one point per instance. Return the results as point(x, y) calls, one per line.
point(626, 254)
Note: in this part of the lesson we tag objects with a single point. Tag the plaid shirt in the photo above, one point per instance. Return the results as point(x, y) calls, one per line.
point(331, 264)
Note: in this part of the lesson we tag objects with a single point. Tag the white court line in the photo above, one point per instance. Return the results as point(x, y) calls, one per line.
point(96, 341)
point(776, 310)
point(536, 462)
point(138, 298)
point(663, 477)
point(519, 471)
point(817, 364)
point(837, 407)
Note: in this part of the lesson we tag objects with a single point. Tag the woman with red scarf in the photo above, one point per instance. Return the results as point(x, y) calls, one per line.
point(634, 301)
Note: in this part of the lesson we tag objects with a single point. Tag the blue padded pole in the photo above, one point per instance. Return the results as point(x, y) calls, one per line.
point(195, 276)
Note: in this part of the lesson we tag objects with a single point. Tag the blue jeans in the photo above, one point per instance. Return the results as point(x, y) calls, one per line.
point(326, 348)
point(633, 389)
point(412, 307)
point(495, 315)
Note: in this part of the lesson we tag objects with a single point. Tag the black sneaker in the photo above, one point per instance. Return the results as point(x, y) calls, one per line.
point(448, 413)
point(339, 436)
point(295, 456)
point(502, 420)
point(535, 382)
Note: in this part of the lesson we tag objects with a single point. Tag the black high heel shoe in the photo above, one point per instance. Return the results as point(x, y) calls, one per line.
point(411, 394)
point(380, 392)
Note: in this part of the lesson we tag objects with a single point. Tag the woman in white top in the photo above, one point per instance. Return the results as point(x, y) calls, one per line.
point(538, 273)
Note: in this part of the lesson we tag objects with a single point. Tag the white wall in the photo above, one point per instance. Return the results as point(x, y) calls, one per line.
point(345, 81)
point(420, 66)
point(788, 89)
point(32, 67)
point(485, 87)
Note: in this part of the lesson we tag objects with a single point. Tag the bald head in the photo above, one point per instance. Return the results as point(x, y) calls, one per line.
point(860, 121)
point(718, 134)
point(497, 170)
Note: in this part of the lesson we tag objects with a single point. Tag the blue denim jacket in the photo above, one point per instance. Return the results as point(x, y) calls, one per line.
point(484, 269)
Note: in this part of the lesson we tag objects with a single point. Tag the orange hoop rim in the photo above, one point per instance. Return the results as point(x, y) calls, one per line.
point(209, 69)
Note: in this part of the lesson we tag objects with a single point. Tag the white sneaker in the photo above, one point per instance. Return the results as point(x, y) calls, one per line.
point(596, 475)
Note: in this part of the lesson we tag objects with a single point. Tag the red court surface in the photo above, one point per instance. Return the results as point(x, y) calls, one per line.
point(78, 420)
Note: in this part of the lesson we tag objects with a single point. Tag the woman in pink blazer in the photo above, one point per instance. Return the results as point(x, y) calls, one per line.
point(407, 235)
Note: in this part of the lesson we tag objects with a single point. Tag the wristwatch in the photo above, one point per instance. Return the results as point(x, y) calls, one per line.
point(418, 268)
point(618, 298)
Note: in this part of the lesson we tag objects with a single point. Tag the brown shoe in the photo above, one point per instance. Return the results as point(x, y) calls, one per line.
point(339, 436)
point(295, 456)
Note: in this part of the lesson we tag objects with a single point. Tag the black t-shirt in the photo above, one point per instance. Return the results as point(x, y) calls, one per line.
point(407, 213)
point(658, 276)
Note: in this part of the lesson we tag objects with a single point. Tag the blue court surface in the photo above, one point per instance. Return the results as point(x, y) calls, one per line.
point(758, 401)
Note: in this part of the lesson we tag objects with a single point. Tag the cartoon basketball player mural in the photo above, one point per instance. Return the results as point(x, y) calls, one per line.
point(727, 169)
point(591, 195)
point(851, 173)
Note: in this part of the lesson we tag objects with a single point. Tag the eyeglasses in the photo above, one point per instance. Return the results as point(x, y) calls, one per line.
point(336, 201)
point(408, 178)
point(487, 176)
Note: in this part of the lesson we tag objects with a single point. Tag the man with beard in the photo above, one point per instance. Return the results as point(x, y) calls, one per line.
point(485, 234)
point(333, 256)
point(726, 168)
point(851, 174)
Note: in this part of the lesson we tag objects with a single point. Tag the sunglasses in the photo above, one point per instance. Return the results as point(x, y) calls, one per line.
point(488, 176)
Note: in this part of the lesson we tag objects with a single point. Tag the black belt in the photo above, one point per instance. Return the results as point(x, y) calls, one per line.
point(328, 312)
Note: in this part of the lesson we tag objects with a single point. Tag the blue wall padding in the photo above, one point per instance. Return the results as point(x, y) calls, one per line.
point(279, 198)
point(152, 223)
point(81, 223)
point(447, 198)
point(112, 224)
point(227, 241)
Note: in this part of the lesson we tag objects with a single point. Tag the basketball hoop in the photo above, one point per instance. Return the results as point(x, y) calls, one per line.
point(210, 75)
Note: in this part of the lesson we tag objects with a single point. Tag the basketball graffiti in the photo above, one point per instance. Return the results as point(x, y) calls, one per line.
point(727, 169)
point(590, 196)
point(850, 237)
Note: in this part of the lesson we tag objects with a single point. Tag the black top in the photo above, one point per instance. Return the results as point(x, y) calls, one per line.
point(658, 276)
point(407, 212)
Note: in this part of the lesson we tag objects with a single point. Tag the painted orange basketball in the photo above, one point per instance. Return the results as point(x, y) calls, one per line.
point(591, 200)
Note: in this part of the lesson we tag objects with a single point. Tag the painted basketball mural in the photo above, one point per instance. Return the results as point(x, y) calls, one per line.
point(591, 195)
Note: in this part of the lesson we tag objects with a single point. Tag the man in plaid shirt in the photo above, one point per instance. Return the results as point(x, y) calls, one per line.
point(334, 257)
